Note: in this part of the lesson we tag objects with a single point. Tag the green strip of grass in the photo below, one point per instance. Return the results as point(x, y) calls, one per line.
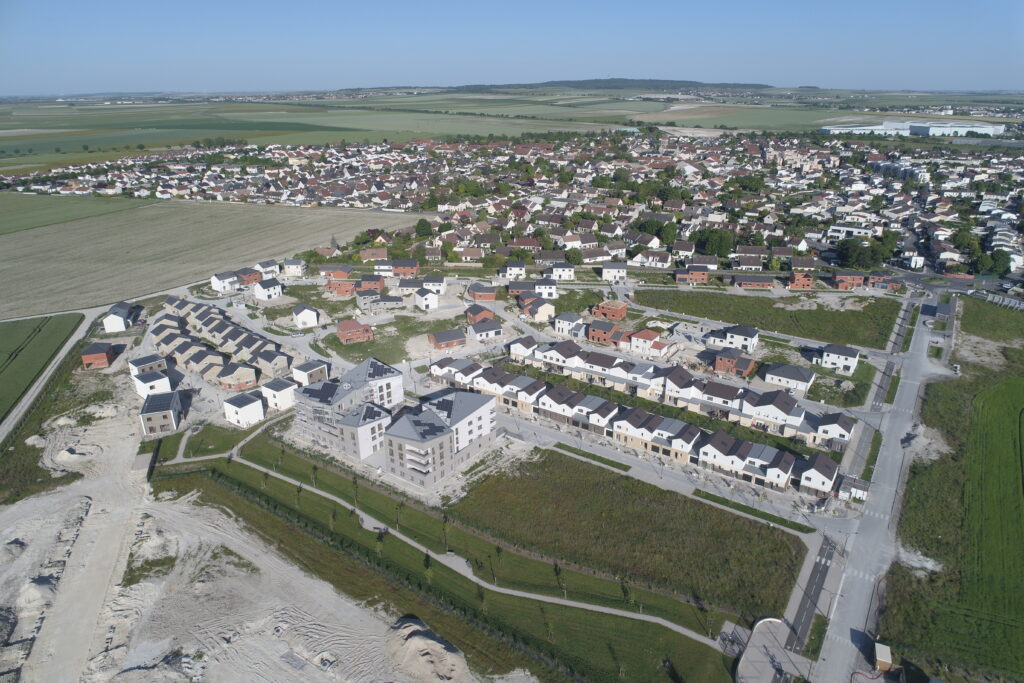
point(869, 465)
point(593, 456)
point(816, 638)
point(911, 326)
point(754, 512)
point(894, 385)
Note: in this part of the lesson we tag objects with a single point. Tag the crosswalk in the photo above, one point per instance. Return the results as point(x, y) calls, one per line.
point(876, 515)
point(858, 574)
point(821, 560)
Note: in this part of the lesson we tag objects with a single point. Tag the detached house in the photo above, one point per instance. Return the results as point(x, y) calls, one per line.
point(842, 359)
point(305, 316)
point(739, 337)
point(613, 272)
point(244, 410)
point(267, 290)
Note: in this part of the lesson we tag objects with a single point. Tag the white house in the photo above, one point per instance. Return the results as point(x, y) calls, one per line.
point(513, 270)
point(224, 282)
point(436, 284)
point(567, 323)
point(835, 426)
point(613, 272)
point(244, 410)
point(268, 268)
point(820, 474)
point(426, 300)
point(310, 372)
point(267, 290)
point(561, 272)
point(294, 267)
point(305, 316)
point(485, 329)
point(739, 337)
point(118, 318)
point(789, 376)
point(546, 288)
point(279, 393)
point(148, 383)
point(842, 359)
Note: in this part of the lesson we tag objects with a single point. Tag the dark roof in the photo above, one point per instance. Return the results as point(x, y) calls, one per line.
point(96, 347)
point(159, 403)
point(792, 372)
point(242, 400)
point(449, 335)
point(279, 384)
point(840, 350)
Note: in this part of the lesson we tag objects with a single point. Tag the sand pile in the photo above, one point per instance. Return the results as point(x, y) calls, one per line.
point(421, 654)
point(37, 440)
point(102, 410)
point(36, 595)
point(12, 550)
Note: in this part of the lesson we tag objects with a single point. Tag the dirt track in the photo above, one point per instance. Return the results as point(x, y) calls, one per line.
point(99, 260)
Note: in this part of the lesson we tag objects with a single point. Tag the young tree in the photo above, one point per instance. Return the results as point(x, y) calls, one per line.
point(574, 256)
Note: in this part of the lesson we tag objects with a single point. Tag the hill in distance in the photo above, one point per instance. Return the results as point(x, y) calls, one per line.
point(652, 84)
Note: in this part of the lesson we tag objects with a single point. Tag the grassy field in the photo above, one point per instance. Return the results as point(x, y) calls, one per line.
point(990, 321)
point(966, 510)
point(578, 300)
point(568, 509)
point(593, 456)
point(389, 339)
point(26, 348)
point(754, 512)
point(150, 248)
point(211, 439)
point(870, 326)
point(598, 647)
point(824, 388)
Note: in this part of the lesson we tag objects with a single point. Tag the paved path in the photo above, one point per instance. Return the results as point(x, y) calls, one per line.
point(801, 623)
point(459, 564)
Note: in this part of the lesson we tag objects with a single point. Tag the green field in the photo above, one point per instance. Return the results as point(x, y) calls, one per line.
point(598, 647)
point(991, 321)
point(24, 212)
point(26, 348)
point(565, 508)
point(870, 326)
point(966, 510)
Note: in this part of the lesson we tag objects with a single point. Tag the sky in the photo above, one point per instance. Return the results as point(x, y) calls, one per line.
point(65, 47)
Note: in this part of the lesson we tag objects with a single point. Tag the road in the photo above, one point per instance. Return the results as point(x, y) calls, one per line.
point(801, 623)
point(872, 546)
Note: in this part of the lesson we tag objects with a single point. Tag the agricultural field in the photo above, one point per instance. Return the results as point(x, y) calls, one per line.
point(26, 348)
point(870, 326)
point(154, 247)
point(966, 510)
point(568, 509)
point(984, 319)
point(27, 211)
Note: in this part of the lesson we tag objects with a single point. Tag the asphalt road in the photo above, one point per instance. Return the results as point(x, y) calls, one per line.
point(801, 625)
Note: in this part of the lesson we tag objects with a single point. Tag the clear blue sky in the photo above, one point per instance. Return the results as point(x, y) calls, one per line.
point(219, 45)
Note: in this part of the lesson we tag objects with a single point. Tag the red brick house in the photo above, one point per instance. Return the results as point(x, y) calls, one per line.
point(733, 362)
point(370, 283)
point(798, 280)
point(846, 280)
point(448, 339)
point(405, 268)
point(610, 309)
point(97, 355)
point(478, 292)
point(602, 331)
point(753, 281)
point(336, 272)
point(248, 276)
point(477, 313)
point(340, 287)
point(353, 332)
point(693, 275)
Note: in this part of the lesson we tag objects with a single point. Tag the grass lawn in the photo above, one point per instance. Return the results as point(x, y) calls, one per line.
point(504, 567)
point(598, 647)
point(966, 510)
point(211, 439)
point(825, 389)
point(935, 351)
point(894, 385)
point(26, 348)
point(869, 464)
point(578, 300)
point(870, 326)
point(908, 338)
point(389, 342)
point(311, 295)
point(816, 638)
point(991, 321)
point(568, 509)
point(591, 456)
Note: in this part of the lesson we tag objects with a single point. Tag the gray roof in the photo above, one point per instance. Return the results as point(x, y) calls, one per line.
point(423, 425)
point(364, 414)
point(148, 377)
point(310, 365)
point(96, 347)
point(449, 335)
point(159, 403)
point(122, 309)
point(279, 384)
point(485, 326)
point(569, 317)
point(791, 372)
point(741, 330)
point(369, 370)
point(242, 400)
point(145, 360)
point(840, 350)
point(455, 406)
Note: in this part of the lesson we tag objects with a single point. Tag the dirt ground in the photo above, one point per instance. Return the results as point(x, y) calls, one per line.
point(831, 303)
point(153, 248)
point(218, 605)
point(972, 349)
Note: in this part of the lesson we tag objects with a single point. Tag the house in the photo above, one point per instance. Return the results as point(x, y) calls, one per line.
point(601, 331)
point(436, 284)
point(733, 362)
point(709, 262)
point(426, 300)
point(97, 355)
point(150, 363)
point(561, 272)
point(789, 376)
point(477, 313)
point(224, 282)
point(266, 290)
point(155, 382)
point(537, 309)
point(248, 276)
point(236, 377)
point(693, 275)
point(567, 323)
point(652, 259)
point(487, 329)
point(448, 339)
point(820, 474)
point(613, 272)
point(161, 413)
point(845, 280)
point(736, 337)
point(269, 268)
point(610, 309)
point(479, 292)
point(353, 332)
point(800, 280)
point(842, 359)
point(119, 318)
point(753, 281)
point(746, 262)
point(294, 268)
point(335, 272)
point(340, 287)
point(305, 316)
point(310, 372)
point(373, 254)
point(405, 268)
point(244, 410)
point(279, 393)
point(546, 288)
point(513, 270)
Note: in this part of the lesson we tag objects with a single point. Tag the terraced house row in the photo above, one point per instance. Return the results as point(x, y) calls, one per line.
point(775, 412)
point(203, 339)
point(640, 430)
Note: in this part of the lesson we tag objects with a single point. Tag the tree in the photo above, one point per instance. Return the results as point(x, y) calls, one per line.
point(1000, 262)
point(667, 234)
point(714, 241)
point(982, 263)
point(420, 254)
point(423, 228)
point(574, 256)
point(620, 175)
